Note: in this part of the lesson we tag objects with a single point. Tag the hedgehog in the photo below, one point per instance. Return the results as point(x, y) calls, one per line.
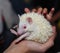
point(38, 27)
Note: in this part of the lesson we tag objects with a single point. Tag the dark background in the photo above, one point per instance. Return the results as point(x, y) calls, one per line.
point(18, 6)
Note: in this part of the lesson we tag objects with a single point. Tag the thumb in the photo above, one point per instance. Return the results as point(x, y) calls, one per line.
point(21, 37)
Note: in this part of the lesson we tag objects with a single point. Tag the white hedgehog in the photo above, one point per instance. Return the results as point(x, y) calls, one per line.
point(40, 29)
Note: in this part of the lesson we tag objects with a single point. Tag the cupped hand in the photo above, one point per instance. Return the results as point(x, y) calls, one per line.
point(34, 46)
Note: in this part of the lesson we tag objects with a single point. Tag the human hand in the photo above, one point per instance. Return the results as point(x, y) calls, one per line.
point(44, 11)
point(27, 46)
point(37, 47)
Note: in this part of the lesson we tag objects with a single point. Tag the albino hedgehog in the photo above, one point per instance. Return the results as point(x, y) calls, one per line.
point(39, 28)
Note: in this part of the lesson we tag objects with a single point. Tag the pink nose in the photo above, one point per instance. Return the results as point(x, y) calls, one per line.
point(20, 32)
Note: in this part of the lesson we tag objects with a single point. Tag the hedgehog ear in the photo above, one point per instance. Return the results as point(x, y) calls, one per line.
point(29, 20)
point(19, 16)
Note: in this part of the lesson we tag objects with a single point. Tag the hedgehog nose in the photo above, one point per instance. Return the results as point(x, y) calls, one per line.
point(20, 31)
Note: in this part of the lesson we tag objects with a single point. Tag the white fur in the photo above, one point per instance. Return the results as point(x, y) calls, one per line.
point(40, 27)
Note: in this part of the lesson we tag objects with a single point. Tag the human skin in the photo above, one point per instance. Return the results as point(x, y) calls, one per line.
point(26, 46)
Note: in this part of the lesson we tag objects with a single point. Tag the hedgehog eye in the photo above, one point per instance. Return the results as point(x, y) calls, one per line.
point(24, 27)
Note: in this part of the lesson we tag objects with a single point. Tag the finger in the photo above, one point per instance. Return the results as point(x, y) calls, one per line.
point(54, 33)
point(13, 31)
point(33, 10)
point(44, 11)
point(48, 17)
point(51, 12)
point(54, 30)
point(26, 10)
point(22, 37)
point(39, 11)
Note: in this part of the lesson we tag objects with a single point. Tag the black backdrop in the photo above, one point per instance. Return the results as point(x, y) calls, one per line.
point(18, 6)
